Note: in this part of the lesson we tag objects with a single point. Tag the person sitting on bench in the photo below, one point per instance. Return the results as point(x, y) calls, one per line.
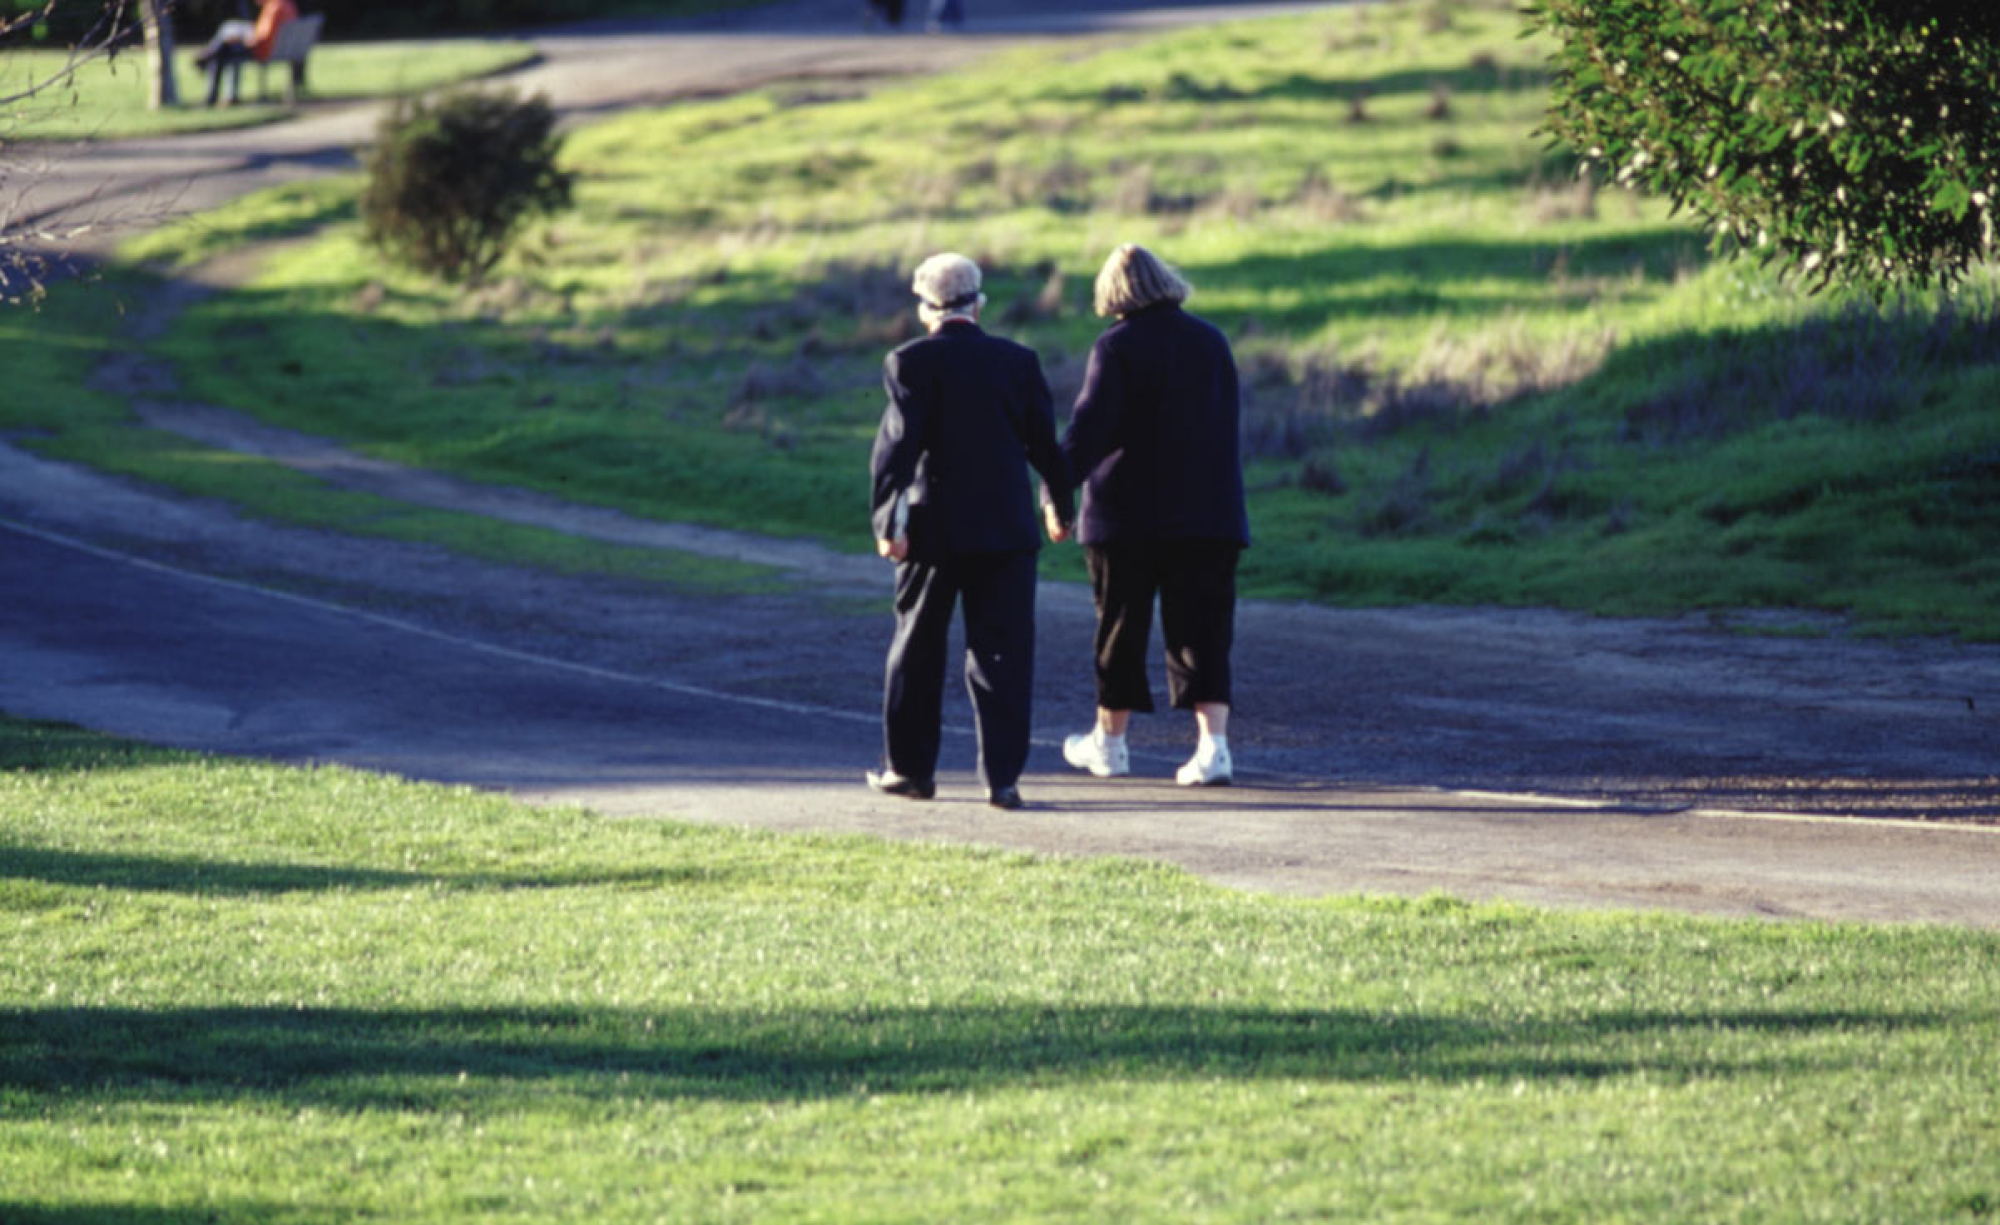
point(238, 41)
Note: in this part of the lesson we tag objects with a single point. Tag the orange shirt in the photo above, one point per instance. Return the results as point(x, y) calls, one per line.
point(270, 17)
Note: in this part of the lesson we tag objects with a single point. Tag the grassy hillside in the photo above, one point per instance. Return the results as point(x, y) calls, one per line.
point(232, 992)
point(1470, 377)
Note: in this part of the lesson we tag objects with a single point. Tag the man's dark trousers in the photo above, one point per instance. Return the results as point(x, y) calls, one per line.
point(998, 593)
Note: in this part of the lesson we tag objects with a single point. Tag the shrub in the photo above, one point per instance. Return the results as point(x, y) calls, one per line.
point(1852, 141)
point(450, 181)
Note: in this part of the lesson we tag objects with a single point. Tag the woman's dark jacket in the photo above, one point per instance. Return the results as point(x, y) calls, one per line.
point(1154, 437)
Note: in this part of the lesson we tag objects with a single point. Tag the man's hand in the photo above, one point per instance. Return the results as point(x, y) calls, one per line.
point(1057, 532)
point(894, 550)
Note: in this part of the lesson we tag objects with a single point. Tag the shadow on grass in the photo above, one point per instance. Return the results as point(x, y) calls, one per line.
point(206, 1212)
point(1472, 79)
point(1470, 281)
point(360, 1058)
point(1476, 78)
point(63, 748)
point(1466, 280)
point(1437, 273)
point(1856, 364)
point(210, 878)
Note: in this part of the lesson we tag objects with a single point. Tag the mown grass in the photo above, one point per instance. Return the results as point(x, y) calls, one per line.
point(1470, 379)
point(104, 98)
point(237, 992)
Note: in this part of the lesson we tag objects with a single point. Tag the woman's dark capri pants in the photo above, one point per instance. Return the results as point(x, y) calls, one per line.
point(1195, 581)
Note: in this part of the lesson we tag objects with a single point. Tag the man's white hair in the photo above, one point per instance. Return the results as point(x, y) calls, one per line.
point(947, 287)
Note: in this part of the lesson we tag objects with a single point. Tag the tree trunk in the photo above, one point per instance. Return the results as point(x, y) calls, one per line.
point(156, 19)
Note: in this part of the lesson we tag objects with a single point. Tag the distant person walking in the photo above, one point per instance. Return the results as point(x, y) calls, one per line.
point(967, 414)
point(1153, 443)
point(238, 41)
point(890, 11)
point(946, 15)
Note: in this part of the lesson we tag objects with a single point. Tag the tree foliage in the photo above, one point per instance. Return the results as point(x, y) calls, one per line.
point(450, 181)
point(1850, 141)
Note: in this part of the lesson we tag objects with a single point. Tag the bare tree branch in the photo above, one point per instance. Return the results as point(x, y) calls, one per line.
point(32, 247)
point(100, 41)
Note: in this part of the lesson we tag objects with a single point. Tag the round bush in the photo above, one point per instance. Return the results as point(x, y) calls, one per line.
point(450, 181)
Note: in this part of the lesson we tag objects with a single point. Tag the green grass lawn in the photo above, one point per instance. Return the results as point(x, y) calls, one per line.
point(235, 992)
point(1469, 380)
point(105, 98)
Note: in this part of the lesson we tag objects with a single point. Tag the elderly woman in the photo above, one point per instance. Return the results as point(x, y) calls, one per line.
point(1153, 442)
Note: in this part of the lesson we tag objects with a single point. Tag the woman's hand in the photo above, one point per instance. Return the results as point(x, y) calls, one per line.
point(1057, 532)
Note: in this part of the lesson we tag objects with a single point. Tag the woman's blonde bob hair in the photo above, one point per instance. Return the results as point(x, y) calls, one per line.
point(1134, 278)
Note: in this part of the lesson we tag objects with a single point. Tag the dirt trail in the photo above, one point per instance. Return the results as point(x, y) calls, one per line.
point(1492, 753)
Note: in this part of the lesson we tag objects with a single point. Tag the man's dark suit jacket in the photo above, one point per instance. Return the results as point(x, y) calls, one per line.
point(965, 409)
point(1153, 439)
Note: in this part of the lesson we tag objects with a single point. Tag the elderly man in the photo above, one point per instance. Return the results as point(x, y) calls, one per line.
point(953, 508)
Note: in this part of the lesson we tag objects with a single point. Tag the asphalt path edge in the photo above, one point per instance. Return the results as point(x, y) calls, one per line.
point(813, 710)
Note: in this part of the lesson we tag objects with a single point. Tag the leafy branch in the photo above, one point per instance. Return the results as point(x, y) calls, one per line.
point(1846, 141)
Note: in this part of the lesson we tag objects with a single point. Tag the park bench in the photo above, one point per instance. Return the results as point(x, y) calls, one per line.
point(294, 42)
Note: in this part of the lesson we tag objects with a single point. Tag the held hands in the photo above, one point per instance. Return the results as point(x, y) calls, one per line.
point(899, 548)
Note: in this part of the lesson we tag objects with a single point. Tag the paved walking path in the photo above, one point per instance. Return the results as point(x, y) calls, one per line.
point(122, 641)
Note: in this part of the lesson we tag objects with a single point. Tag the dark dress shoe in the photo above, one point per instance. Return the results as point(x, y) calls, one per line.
point(1005, 797)
point(888, 782)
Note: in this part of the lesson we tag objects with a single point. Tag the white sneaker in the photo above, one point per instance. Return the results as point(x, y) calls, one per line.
point(1209, 767)
point(1097, 753)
